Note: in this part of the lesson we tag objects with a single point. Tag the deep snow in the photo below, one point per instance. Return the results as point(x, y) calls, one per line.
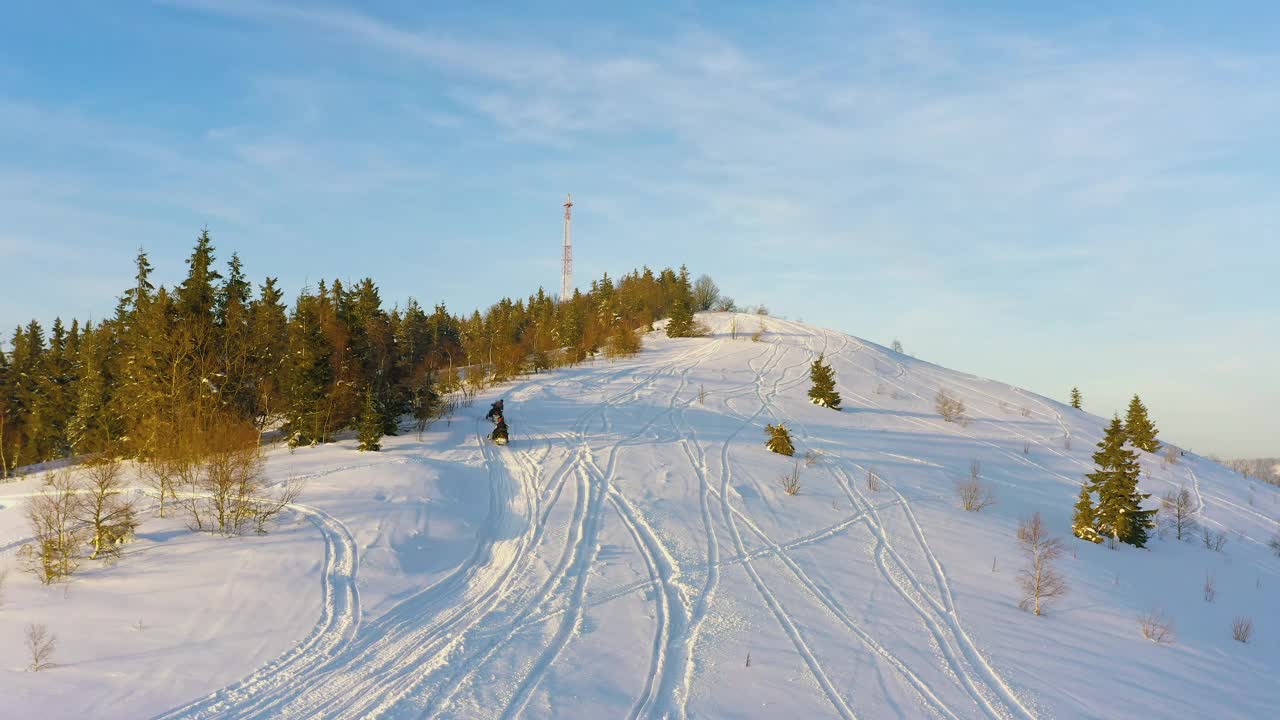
point(632, 546)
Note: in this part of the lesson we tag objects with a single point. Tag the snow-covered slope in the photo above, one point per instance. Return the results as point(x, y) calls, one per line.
point(632, 554)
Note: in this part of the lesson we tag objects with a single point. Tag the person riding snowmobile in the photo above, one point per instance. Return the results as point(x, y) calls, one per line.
point(499, 435)
point(495, 411)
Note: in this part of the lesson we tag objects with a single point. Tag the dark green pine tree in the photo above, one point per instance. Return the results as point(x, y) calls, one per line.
point(268, 352)
point(91, 428)
point(1139, 428)
point(55, 386)
point(1119, 512)
point(197, 296)
point(371, 424)
point(681, 322)
point(1084, 522)
point(8, 418)
point(308, 375)
point(823, 391)
point(1076, 398)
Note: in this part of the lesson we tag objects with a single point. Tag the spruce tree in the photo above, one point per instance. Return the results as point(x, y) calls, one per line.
point(1076, 398)
point(197, 296)
point(1139, 428)
point(779, 439)
point(1119, 511)
point(1084, 522)
point(268, 353)
point(91, 428)
point(681, 322)
point(7, 419)
point(371, 424)
point(823, 391)
point(308, 375)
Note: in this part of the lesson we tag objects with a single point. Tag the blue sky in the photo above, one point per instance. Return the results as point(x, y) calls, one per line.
point(1046, 196)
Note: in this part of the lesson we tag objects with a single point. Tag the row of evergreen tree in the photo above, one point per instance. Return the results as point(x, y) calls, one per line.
point(212, 351)
point(1118, 513)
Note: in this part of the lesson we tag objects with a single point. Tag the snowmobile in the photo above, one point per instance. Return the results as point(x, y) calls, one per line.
point(499, 434)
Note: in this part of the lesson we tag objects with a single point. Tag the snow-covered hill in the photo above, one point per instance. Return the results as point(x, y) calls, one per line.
point(632, 554)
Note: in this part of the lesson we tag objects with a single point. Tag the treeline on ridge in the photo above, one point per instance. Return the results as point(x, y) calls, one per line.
point(213, 351)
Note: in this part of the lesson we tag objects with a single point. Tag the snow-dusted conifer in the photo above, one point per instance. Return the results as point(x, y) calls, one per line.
point(1076, 398)
point(823, 391)
point(1084, 522)
point(779, 439)
point(1139, 428)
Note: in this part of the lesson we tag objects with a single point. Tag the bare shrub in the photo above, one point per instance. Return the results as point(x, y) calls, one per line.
point(702, 394)
point(105, 509)
point(1177, 510)
point(733, 328)
point(160, 475)
point(1026, 412)
point(810, 458)
point(229, 477)
point(758, 335)
point(1066, 442)
point(469, 388)
point(1026, 447)
point(1274, 544)
point(55, 552)
point(881, 389)
point(1242, 628)
point(791, 481)
point(41, 645)
point(951, 409)
point(1040, 581)
point(1210, 588)
point(217, 476)
point(974, 495)
point(1156, 626)
point(896, 346)
point(267, 507)
point(1214, 541)
point(873, 480)
point(1171, 455)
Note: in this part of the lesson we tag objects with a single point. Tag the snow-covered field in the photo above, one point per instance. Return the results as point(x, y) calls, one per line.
point(632, 548)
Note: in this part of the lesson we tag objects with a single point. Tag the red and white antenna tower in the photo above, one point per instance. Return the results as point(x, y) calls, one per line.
point(566, 267)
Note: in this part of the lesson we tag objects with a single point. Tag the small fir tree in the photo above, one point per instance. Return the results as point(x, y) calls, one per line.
point(1139, 428)
point(823, 391)
point(1076, 398)
point(371, 424)
point(779, 439)
point(1084, 522)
